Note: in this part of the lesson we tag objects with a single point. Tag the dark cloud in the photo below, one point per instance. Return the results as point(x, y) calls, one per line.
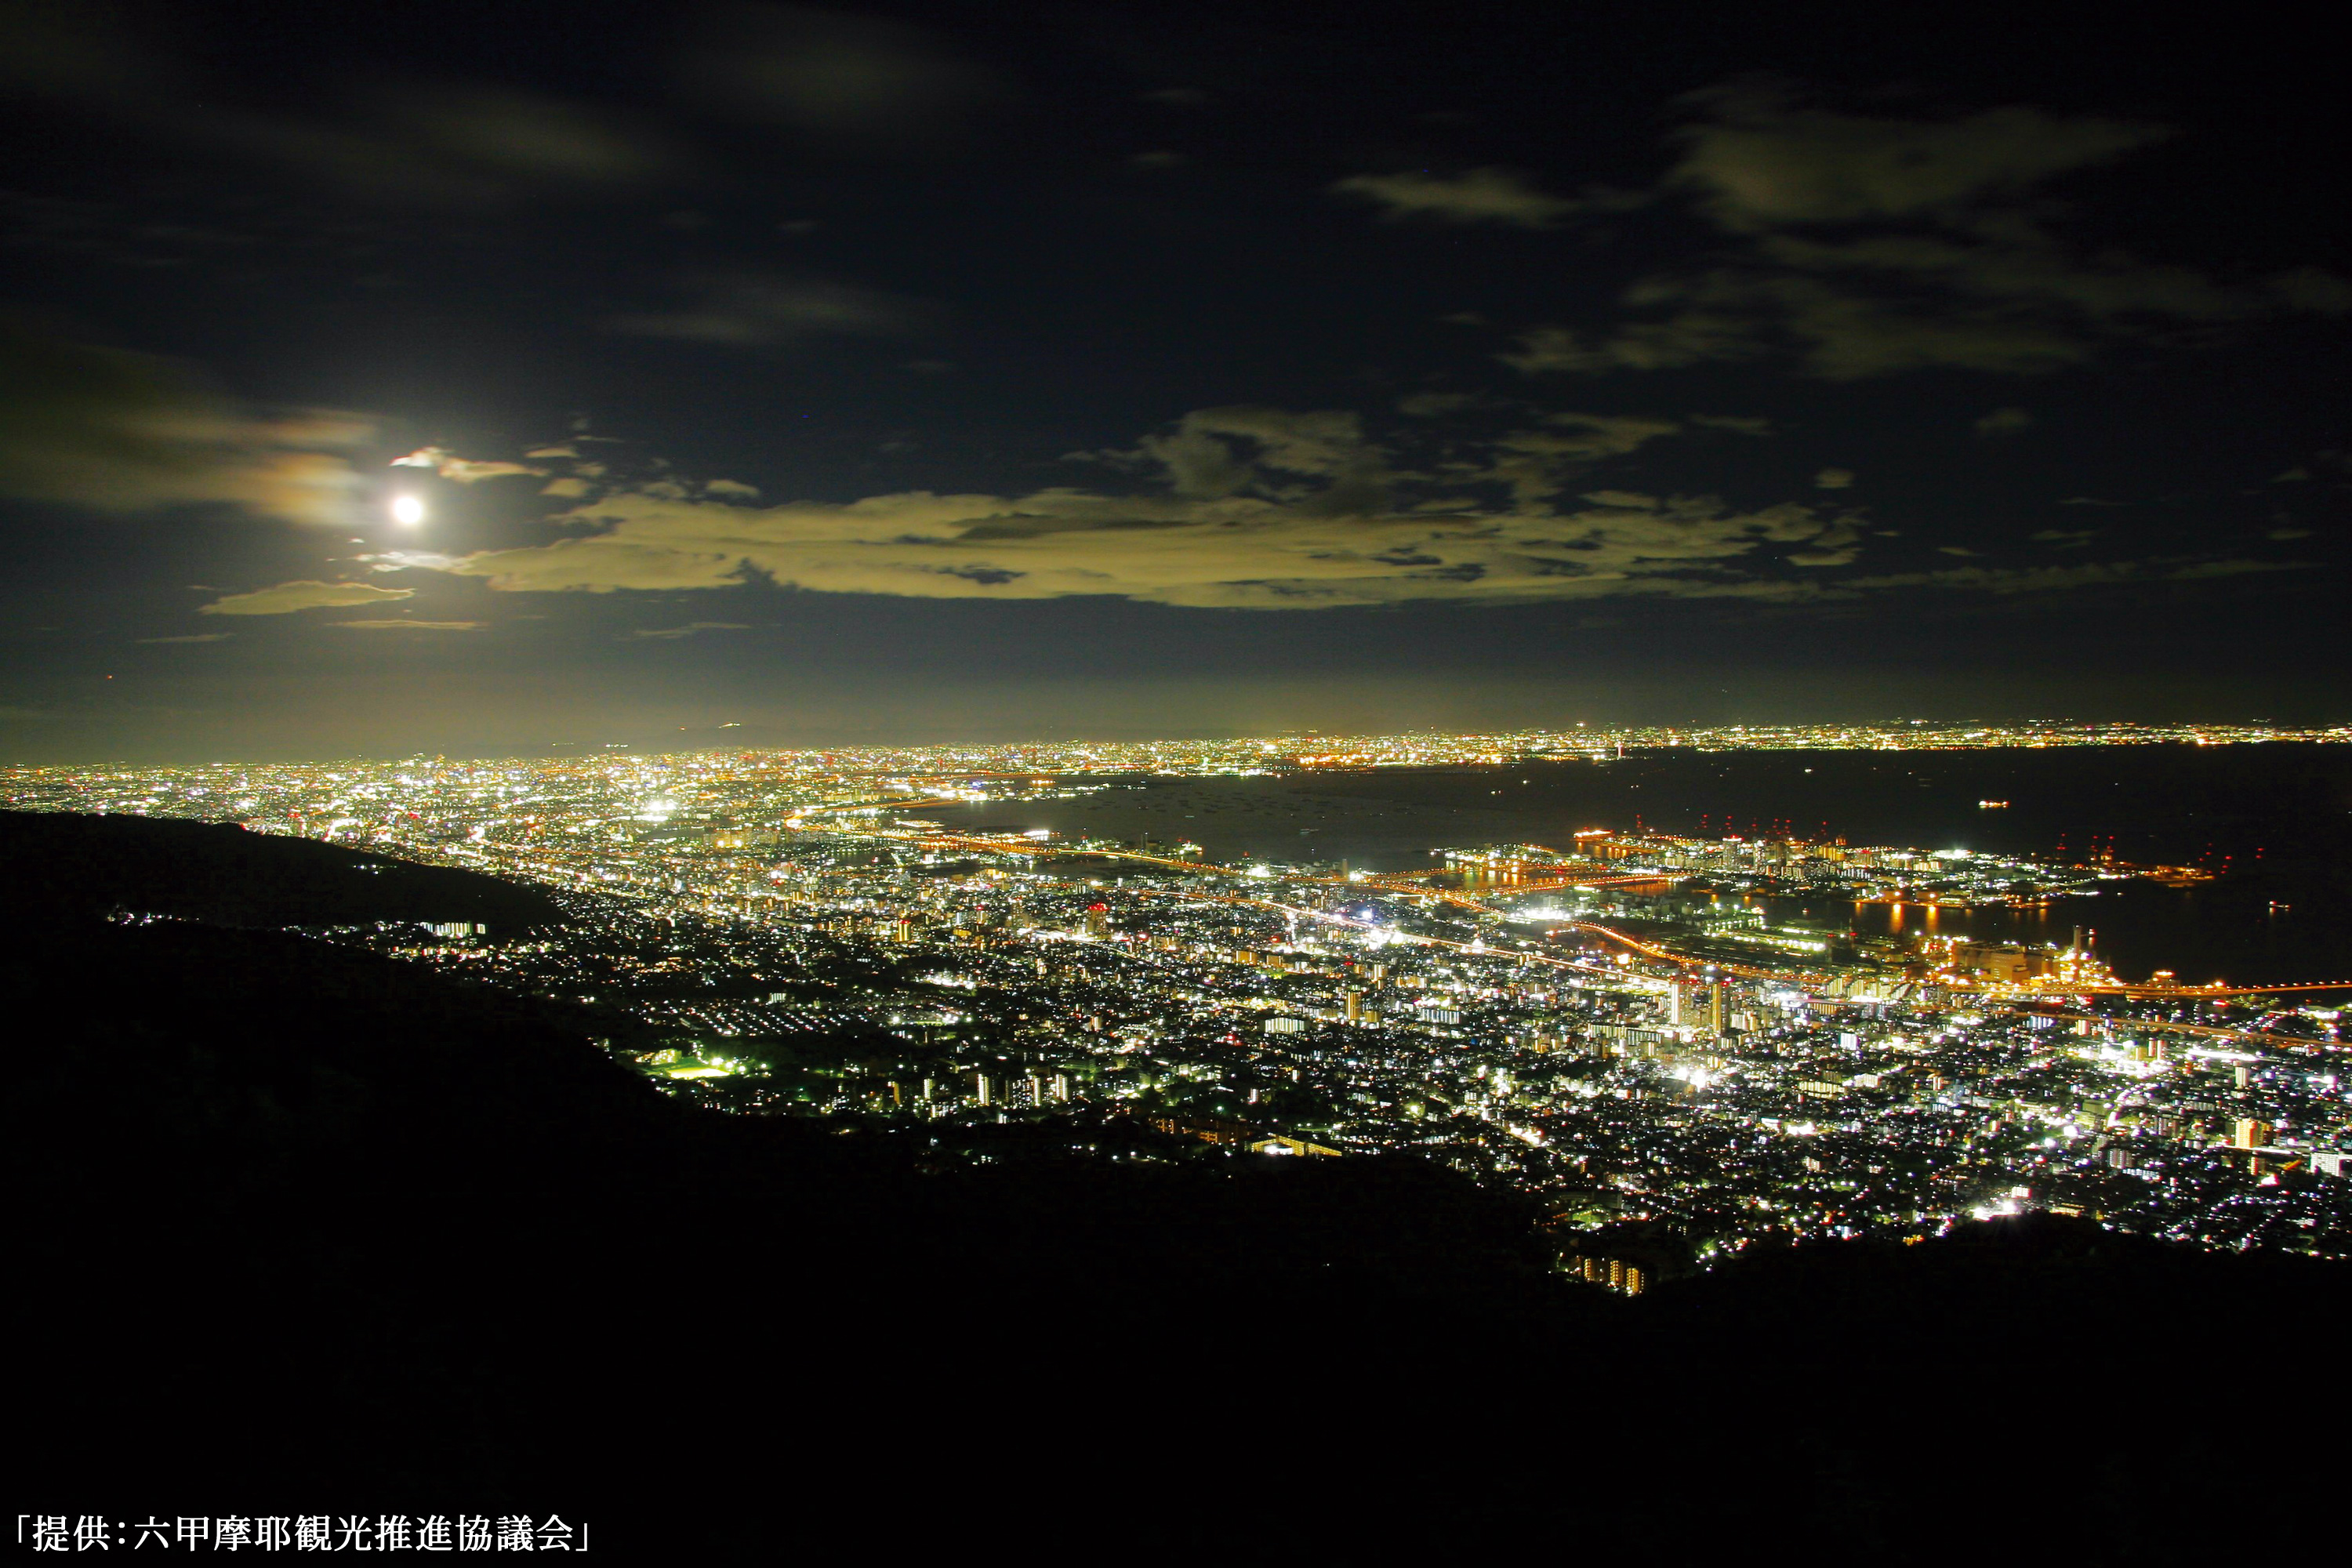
point(1755, 159)
point(848, 78)
point(445, 142)
point(1434, 405)
point(748, 308)
point(1864, 246)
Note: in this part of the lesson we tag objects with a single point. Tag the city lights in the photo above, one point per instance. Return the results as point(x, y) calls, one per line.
point(1611, 1016)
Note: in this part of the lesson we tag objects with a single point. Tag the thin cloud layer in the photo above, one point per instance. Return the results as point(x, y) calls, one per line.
point(834, 75)
point(284, 598)
point(111, 431)
point(1479, 195)
point(749, 308)
point(446, 143)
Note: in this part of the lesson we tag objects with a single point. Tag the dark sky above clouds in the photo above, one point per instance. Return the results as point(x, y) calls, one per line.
point(931, 372)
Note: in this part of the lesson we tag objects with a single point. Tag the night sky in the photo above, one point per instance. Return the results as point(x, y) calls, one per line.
point(989, 373)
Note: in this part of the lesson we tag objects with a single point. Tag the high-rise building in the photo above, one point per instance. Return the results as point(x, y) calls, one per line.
point(2251, 1132)
point(1355, 1007)
point(1097, 920)
point(981, 1089)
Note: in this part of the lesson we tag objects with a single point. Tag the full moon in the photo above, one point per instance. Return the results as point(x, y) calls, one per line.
point(407, 509)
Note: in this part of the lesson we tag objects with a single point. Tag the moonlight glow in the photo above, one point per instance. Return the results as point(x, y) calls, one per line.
point(407, 511)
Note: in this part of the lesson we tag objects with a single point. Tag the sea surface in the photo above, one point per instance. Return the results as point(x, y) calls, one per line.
point(2273, 822)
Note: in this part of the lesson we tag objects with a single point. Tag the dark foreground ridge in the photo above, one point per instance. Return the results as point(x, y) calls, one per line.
point(305, 1230)
point(71, 862)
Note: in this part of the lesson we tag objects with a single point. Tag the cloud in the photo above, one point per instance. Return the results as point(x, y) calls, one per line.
point(529, 138)
point(200, 637)
point(411, 625)
point(1690, 338)
point(1478, 195)
point(749, 308)
point(1219, 451)
point(466, 471)
point(404, 560)
point(1739, 424)
point(2003, 422)
point(1227, 551)
point(859, 80)
point(2065, 538)
point(2316, 289)
point(284, 598)
point(2055, 579)
point(113, 431)
point(1538, 464)
point(2014, 260)
point(1834, 480)
point(1838, 333)
point(1241, 507)
point(1756, 161)
point(692, 628)
point(445, 143)
point(1867, 246)
point(1607, 434)
point(1432, 404)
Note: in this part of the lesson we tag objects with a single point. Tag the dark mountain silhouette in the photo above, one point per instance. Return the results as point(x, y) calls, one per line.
point(221, 874)
point(303, 1230)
